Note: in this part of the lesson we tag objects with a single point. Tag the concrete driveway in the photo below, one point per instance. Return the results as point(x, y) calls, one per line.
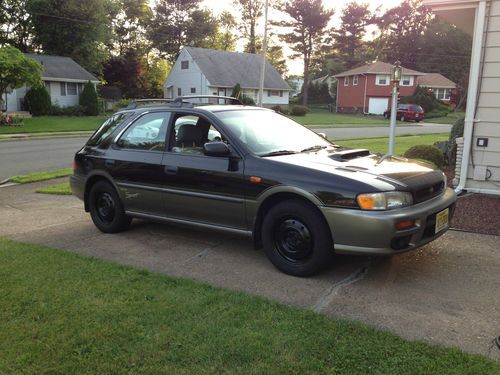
point(447, 292)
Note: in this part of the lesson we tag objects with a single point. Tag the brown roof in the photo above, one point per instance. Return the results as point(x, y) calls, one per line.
point(378, 67)
point(436, 80)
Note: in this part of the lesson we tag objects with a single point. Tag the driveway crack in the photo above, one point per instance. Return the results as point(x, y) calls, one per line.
point(329, 295)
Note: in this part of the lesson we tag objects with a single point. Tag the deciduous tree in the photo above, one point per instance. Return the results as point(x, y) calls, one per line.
point(16, 28)
point(250, 11)
point(17, 70)
point(308, 20)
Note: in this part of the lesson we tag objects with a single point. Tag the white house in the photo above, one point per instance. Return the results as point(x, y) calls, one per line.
point(479, 167)
point(63, 78)
point(201, 71)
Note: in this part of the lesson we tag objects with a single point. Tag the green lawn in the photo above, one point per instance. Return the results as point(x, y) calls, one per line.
point(57, 189)
point(401, 143)
point(55, 124)
point(41, 176)
point(323, 118)
point(449, 119)
point(61, 313)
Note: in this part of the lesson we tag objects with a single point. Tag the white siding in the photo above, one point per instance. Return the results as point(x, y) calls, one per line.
point(488, 110)
point(185, 79)
point(62, 100)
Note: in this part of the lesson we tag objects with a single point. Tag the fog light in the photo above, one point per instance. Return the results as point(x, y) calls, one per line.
point(405, 224)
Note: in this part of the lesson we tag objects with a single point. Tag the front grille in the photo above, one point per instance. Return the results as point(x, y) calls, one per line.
point(429, 192)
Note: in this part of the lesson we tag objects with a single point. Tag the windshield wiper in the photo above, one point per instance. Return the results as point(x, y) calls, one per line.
point(314, 148)
point(279, 152)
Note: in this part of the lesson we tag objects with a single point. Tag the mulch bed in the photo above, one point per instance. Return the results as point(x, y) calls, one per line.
point(478, 213)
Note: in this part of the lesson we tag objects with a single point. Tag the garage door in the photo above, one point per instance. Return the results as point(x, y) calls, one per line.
point(377, 106)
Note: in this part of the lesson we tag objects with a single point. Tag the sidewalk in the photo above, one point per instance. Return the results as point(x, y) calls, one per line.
point(45, 135)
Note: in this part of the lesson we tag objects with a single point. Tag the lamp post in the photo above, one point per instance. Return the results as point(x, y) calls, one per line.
point(395, 78)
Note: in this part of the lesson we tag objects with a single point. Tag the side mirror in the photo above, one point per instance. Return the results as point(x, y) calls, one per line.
point(322, 135)
point(216, 149)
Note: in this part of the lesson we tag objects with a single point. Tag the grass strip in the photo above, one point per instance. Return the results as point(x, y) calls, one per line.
point(57, 189)
point(41, 176)
point(49, 124)
point(401, 143)
point(62, 313)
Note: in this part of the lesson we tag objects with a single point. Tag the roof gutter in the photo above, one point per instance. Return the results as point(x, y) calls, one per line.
point(472, 96)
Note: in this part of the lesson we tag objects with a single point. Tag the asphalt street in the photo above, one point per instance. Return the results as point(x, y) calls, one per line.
point(34, 155)
point(446, 292)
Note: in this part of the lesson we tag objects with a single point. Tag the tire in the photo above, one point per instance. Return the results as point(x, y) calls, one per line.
point(403, 118)
point(296, 238)
point(106, 208)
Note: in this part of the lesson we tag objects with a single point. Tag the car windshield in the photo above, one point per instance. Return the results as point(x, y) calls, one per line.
point(267, 133)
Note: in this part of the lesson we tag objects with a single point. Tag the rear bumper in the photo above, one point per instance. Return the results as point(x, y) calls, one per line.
point(77, 184)
point(374, 233)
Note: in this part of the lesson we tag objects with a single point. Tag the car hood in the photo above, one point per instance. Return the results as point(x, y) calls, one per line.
point(384, 173)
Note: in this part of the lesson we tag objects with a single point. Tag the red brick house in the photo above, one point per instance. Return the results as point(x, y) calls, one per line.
point(367, 89)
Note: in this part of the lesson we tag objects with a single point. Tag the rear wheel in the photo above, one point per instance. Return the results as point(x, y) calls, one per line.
point(297, 239)
point(106, 209)
point(403, 118)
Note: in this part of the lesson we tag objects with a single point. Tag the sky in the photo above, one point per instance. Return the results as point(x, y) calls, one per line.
point(295, 66)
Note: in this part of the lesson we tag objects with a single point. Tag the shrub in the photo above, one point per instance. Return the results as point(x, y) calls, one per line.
point(426, 152)
point(246, 100)
point(9, 120)
point(120, 104)
point(236, 91)
point(278, 109)
point(424, 98)
point(88, 99)
point(37, 101)
point(457, 131)
point(298, 110)
point(76, 110)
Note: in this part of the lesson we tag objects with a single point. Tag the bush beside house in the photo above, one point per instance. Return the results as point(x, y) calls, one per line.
point(89, 100)
point(37, 101)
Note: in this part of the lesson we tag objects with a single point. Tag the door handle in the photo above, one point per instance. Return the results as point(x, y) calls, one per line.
point(170, 169)
point(109, 163)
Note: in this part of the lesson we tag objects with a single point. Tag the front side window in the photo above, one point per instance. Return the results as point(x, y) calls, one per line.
point(147, 133)
point(190, 133)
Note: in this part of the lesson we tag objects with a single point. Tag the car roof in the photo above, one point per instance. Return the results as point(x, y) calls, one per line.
point(201, 108)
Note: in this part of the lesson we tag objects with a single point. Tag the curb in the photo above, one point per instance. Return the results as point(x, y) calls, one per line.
point(11, 137)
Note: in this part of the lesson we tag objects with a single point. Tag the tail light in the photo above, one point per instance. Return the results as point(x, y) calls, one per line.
point(74, 165)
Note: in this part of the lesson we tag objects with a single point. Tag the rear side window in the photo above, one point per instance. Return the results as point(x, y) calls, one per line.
point(147, 133)
point(107, 128)
point(416, 108)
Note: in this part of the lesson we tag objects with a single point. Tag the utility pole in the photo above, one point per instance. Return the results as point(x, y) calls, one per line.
point(263, 61)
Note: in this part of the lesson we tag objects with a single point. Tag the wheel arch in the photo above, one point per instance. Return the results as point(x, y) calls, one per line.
point(275, 196)
point(91, 181)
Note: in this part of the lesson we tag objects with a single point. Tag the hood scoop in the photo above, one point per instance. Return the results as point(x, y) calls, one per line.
point(347, 155)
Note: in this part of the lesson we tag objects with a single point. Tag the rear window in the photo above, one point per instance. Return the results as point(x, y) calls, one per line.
point(416, 108)
point(107, 128)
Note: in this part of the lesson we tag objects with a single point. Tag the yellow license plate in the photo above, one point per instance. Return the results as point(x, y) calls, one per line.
point(442, 220)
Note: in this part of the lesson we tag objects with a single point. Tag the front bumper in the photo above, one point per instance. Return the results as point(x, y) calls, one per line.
point(374, 233)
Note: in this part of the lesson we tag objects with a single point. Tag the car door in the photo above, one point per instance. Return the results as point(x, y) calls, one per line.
point(134, 161)
point(200, 188)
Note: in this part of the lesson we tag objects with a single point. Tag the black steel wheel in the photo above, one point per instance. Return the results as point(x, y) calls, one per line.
point(106, 209)
point(296, 238)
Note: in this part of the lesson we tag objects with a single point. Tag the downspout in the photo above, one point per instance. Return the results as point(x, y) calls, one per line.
point(472, 95)
point(365, 112)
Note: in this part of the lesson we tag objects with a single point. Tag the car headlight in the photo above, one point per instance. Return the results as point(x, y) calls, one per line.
point(385, 201)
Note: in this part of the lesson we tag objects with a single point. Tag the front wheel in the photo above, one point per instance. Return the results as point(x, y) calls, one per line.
point(297, 239)
point(106, 209)
point(403, 118)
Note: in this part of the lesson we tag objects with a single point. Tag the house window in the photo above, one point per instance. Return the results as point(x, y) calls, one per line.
point(382, 80)
point(193, 90)
point(179, 91)
point(442, 94)
point(273, 93)
point(63, 88)
point(281, 93)
point(355, 80)
point(71, 88)
point(406, 81)
point(447, 94)
point(346, 81)
point(80, 88)
point(185, 64)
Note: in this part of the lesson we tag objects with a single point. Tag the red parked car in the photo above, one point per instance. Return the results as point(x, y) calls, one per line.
point(407, 112)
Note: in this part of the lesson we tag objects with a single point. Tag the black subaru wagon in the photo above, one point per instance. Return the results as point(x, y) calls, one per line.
point(252, 171)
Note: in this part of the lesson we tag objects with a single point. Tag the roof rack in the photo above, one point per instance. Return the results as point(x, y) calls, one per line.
point(135, 103)
point(232, 100)
point(182, 100)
